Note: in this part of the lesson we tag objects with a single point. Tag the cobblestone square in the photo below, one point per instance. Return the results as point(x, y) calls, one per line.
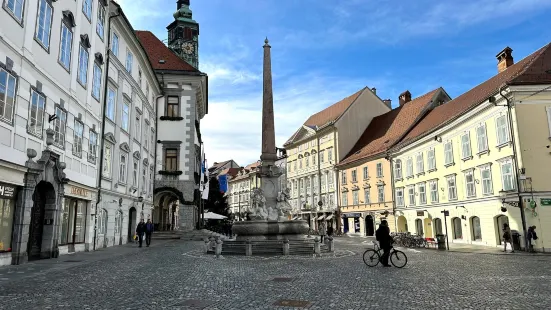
point(176, 275)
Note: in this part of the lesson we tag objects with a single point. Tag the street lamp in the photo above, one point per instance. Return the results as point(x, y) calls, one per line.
point(516, 204)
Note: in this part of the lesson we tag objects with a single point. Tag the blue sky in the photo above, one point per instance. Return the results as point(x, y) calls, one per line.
point(323, 51)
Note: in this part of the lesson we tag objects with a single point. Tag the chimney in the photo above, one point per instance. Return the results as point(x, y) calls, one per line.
point(504, 59)
point(388, 102)
point(374, 90)
point(404, 97)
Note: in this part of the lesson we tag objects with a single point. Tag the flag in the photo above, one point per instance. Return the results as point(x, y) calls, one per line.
point(206, 186)
point(223, 179)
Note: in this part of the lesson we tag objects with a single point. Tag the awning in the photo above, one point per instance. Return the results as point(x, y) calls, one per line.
point(329, 217)
point(214, 216)
point(321, 217)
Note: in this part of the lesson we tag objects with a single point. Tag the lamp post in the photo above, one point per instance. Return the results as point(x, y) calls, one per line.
point(446, 214)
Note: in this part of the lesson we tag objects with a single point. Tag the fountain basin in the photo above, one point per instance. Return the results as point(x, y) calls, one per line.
point(270, 230)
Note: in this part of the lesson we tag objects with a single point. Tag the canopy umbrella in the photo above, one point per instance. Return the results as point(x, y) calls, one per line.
point(214, 216)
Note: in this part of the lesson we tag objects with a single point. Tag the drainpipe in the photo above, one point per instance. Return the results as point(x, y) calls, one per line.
point(517, 167)
point(155, 150)
point(104, 117)
point(389, 158)
point(337, 196)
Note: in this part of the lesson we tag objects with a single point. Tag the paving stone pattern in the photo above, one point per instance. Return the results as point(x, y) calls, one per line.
point(175, 275)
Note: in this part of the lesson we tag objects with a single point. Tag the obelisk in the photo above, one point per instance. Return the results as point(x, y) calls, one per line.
point(268, 173)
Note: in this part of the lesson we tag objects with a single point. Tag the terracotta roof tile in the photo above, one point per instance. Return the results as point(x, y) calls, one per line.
point(386, 129)
point(333, 112)
point(529, 70)
point(230, 171)
point(156, 51)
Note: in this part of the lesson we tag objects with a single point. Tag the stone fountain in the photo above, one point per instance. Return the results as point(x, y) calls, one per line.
point(270, 211)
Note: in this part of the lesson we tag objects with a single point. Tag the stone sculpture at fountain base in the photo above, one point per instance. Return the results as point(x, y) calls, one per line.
point(257, 230)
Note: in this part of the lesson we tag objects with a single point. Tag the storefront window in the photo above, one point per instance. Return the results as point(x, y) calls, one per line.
point(73, 225)
point(6, 223)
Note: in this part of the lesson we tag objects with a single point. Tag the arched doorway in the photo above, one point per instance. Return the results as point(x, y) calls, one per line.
point(44, 197)
point(402, 224)
point(165, 211)
point(369, 225)
point(476, 229)
point(419, 227)
point(131, 223)
point(457, 228)
point(118, 228)
point(427, 223)
point(438, 227)
point(500, 220)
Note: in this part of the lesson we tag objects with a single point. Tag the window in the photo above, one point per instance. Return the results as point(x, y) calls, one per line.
point(322, 156)
point(354, 176)
point(466, 146)
point(101, 20)
point(300, 163)
point(452, 189)
point(144, 174)
point(77, 138)
point(420, 163)
point(400, 197)
point(502, 130)
point(60, 124)
point(366, 173)
point(381, 193)
point(82, 76)
point(153, 141)
point(367, 196)
point(96, 82)
point(138, 126)
point(307, 160)
point(7, 210)
point(355, 198)
point(115, 45)
point(345, 199)
point(15, 7)
point(171, 159)
point(129, 61)
point(486, 176)
point(481, 139)
point(431, 159)
point(469, 182)
point(107, 160)
point(140, 77)
point(135, 174)
point(87, 8)
point(422, 194)
point(150, 181)
point(411, 194)
point(7, 95)
point(313, 158)
point(379, 170)
point(92, 147)
point(433, 186)
point(477, 230)
point(344, 177)
point(147, 91)
point(457, 229)
point(330, 155)
point(145, 138)
point(409, 167)
point(448, 153)
point(507, 177)
point(122, 169)
point(173, 107)
point(330, 178)
point(111, 103)
point(36, 113)
point(44, 23)
point(125, 116)
point(66, 46)
point(398, 169)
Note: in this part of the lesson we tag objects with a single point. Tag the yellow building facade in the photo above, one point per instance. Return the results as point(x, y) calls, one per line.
point(240, 188)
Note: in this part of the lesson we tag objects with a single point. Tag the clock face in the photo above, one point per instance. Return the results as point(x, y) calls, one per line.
point(187, 48)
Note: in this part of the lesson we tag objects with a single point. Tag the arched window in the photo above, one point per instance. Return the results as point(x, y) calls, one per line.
point(457, 229)
point(306, 159)
point(476, 229)
point(398, 169)
point(438, 226)
point(419, 227)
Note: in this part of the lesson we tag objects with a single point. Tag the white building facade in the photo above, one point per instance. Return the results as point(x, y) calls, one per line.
point(51, 81)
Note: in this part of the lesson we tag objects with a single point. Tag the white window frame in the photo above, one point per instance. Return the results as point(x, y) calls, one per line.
point(367, 195)
point(129, 61)
point(65, 46)
point(433, 187)
point(115, 44)
point(548, 112)
point(512, 175)
point(87, 9)
point(400, 197)
point(107, 160)
point(138, 127)
point(37, 105)
point(78, 135)
point(123, 161)
point(60, 127)
point(481, 139)
point(9, 86)
point(466, 151)
point(345, 199)
point(100, 24)
point(448, 153)
point(398, 169)
point(135, 167)
point(12, 9)
point(92, 146)
point(356, 197)
point(82, 72)
point(487, 183)
point(470, 186)
point(152, 141)
point(43, 25)
point(431, 159)
point(422, 190)
point(420, 163)
point(411, 195)
point(381, 193)
point(409, 167)
point(125, 116)
point(365, 171)
point(380, 170)
point(452, 190)
point(144, 178)
point(504, 128)
point(111, 103)
point(344, 177)
point(96, 81)
point(354, 176)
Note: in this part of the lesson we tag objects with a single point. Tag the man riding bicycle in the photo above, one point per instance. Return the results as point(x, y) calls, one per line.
point(385, 241)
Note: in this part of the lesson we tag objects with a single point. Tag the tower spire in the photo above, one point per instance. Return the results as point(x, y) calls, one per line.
point(269, 154)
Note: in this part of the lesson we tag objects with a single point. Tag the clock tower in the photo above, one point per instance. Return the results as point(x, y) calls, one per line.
point(183, 34)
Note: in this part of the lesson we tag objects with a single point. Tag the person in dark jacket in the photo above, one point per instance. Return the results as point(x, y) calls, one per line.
point(532, 237)
point(140, 231)
point(385, 241)
point(148, 232)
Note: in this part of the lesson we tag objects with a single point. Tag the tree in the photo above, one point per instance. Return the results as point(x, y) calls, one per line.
point(217, 202)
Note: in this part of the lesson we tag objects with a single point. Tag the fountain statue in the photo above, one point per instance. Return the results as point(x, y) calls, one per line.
point(270, 211)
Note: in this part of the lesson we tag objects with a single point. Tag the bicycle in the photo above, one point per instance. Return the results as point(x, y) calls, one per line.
point(372, 257)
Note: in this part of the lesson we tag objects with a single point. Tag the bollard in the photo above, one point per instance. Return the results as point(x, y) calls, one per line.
point(317, 249)
point(248, 248)
point(286, 247)
point(207, 245)
point(331, 244)
point(218, 247)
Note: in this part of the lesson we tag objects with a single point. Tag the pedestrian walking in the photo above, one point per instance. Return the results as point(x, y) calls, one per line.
point(532, 237)
point(140, 229)
point(148, 232)
point(322, 231)
point(507, 238)
point(385, 241)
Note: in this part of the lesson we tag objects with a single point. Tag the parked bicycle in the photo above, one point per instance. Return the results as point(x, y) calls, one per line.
point(372, 257)
point(409, 241)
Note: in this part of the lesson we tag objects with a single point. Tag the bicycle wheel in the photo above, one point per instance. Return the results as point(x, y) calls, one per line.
point(398, 259)
point(371, 257)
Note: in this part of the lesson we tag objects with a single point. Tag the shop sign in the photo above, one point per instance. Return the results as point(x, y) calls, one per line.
point(78, 191)
point(351, 215)
point(420, 213)
point(7, 191)
point(545, 201)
